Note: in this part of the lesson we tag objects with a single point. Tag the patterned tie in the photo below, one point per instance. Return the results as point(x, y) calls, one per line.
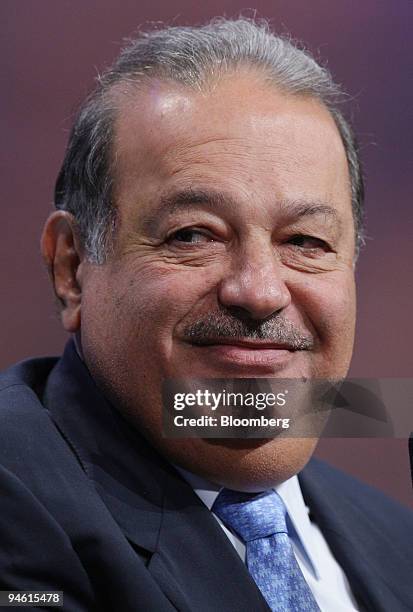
point(259, 519)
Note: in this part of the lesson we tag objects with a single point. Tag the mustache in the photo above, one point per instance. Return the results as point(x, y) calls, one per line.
point(221, 324)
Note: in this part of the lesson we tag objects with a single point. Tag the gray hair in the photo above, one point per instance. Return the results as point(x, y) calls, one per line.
point(190, 56)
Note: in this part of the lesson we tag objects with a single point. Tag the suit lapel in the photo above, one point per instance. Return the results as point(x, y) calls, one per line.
point(359, 539)
point(196, 557)
point(187, 552)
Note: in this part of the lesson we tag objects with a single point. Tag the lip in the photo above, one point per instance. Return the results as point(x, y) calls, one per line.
point(250, 344)
point(258, 356)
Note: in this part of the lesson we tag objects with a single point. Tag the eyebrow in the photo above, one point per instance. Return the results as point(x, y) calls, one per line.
point(187, 199)
point(301, 208)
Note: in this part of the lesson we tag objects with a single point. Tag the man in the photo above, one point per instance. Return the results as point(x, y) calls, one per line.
point(208, 220)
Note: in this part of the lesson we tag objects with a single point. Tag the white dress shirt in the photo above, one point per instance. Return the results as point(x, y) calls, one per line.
point(321, 571)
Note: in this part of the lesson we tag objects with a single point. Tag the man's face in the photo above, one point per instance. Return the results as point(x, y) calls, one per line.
point(234, 258)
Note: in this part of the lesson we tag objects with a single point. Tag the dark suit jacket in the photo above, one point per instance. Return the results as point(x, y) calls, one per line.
point(89, 508)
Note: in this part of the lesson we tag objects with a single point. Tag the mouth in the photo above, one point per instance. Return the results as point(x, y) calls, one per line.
point(257, 355)
point(254, 344)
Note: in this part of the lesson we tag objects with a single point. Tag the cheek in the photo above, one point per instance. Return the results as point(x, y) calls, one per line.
point(148, 301)
point(328, 303)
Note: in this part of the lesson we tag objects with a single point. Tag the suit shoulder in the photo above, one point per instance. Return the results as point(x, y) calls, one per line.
point(21, 388)
point(345, 488)
point(30, 442)
point(25, 379)
point(27, 372)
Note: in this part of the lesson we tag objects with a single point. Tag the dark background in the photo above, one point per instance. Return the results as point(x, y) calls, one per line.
point(51, 51)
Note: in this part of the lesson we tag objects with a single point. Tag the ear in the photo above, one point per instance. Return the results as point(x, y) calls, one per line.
point(63, 256)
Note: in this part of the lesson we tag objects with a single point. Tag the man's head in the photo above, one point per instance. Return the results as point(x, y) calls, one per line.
point(210, 207)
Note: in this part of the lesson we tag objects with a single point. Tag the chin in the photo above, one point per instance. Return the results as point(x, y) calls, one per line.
point(242, 465)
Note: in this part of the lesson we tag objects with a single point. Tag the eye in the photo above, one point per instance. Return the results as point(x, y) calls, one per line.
point(303, 241)
point(190, 236)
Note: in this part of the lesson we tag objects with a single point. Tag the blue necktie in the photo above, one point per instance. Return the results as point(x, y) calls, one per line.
point(259, 519)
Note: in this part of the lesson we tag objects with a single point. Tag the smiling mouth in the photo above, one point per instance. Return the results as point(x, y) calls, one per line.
point(260, 355)
point(254, 344)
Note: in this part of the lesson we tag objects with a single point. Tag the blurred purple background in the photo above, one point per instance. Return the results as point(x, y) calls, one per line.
point(51, 52)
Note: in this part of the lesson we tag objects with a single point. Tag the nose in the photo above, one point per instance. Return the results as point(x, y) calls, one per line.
point(254, 287)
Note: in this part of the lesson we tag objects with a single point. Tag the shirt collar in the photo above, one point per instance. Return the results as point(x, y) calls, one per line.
point(290, 493)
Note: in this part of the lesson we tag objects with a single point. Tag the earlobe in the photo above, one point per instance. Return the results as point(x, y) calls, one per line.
point(63, 256)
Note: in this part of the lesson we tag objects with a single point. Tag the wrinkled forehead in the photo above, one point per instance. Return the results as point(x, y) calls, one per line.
point(240, 130)
point(243, 105)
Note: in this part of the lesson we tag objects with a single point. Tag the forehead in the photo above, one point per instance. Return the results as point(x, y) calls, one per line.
point(241, 135)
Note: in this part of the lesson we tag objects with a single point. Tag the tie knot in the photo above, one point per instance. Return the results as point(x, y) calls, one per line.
point(251, 515)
